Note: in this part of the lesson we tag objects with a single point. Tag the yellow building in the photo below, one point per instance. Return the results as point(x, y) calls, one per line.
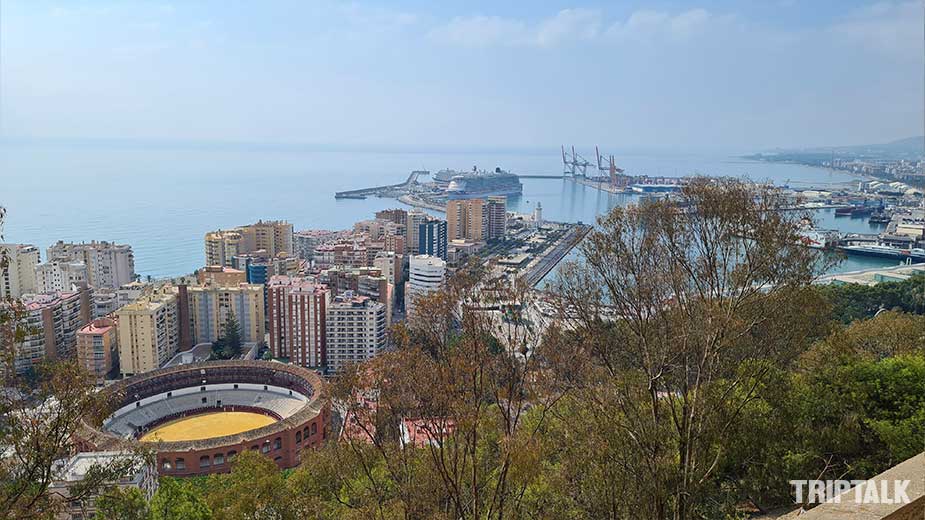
point(220, 275)
point(466, 219)
point(222, 246)
point(211, 304)
point(272, 236)
point(149, 332)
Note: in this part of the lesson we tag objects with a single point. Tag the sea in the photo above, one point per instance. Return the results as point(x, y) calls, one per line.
point(161, 198)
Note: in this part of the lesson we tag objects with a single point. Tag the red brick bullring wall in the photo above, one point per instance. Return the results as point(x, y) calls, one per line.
point(282, 441)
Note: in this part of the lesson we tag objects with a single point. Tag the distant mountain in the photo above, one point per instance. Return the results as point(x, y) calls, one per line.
point(908, 148)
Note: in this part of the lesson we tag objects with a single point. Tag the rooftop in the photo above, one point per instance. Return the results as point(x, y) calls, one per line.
point(100, 326)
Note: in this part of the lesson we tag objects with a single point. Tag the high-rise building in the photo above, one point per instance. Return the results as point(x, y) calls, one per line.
point(425, 274)
point(222, 246)
point(272, 236)
point(466, 219)
point(432, 238)
point(60, 276)
point(390, 265)
point(415, 218)
point(363, 281)
point(108, 265)
point(398, 216)
point(149, 332)
point(496, 217)
point(98, 347)
point(52, 321)
point(210, 305)
point(356, 330)
point(297, 308)
point(18, 278)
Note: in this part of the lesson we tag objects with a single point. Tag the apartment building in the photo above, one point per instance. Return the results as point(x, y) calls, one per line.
point(98, 347)
point(296, 309)
point(18, 278)
point(210, 305)
point(149, 331)
point(60, 276)
point(356, 330)
point(432, 238)
point(425, 274)
point(466, 219)
point(52, 321)
point(221, 246)
point(108, 264)
point(496, 217)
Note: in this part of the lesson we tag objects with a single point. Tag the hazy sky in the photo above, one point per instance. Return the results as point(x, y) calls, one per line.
point(704, 73)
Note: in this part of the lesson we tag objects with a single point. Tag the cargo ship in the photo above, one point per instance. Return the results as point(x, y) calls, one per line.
point(482, 184)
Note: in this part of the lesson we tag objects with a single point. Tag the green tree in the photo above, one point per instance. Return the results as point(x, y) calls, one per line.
point(852, 302)
point(228, 345)
point(255, 488)
point(177, 499)
point(678, 314)
point(122, 504)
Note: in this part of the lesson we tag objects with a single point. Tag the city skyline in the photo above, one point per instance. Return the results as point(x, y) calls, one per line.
point(710, 74)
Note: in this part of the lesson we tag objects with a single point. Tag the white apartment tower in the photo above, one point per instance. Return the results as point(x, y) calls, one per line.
point(18, 278)
point(108, 265)
point(60, 276)
point(356, 330)
point(425, 274)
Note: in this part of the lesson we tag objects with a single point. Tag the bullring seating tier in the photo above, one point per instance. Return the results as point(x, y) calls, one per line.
point(131, 421)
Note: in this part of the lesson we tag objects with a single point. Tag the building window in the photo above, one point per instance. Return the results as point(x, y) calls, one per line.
point(204, 400)
point(165, 465)
point(180, 464)
point(169, 394)
point(266, 447)
point(218, 460)
point(298, 437)
point(314, 428)
point(277, 444)
point(235, 386)
point(204, 461)
point(231, 455)
point(202, 389)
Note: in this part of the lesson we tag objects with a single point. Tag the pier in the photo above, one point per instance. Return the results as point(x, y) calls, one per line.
point(379, 190)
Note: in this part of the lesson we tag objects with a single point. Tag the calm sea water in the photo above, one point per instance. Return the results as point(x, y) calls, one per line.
point(163, 199)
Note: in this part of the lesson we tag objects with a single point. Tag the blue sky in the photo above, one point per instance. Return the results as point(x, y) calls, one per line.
point(745, 74)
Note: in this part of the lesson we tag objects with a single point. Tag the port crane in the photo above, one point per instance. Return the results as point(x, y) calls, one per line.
point(574, 164)
point(617, 179)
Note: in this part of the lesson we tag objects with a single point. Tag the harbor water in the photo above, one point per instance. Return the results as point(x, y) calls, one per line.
point(162, 199)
